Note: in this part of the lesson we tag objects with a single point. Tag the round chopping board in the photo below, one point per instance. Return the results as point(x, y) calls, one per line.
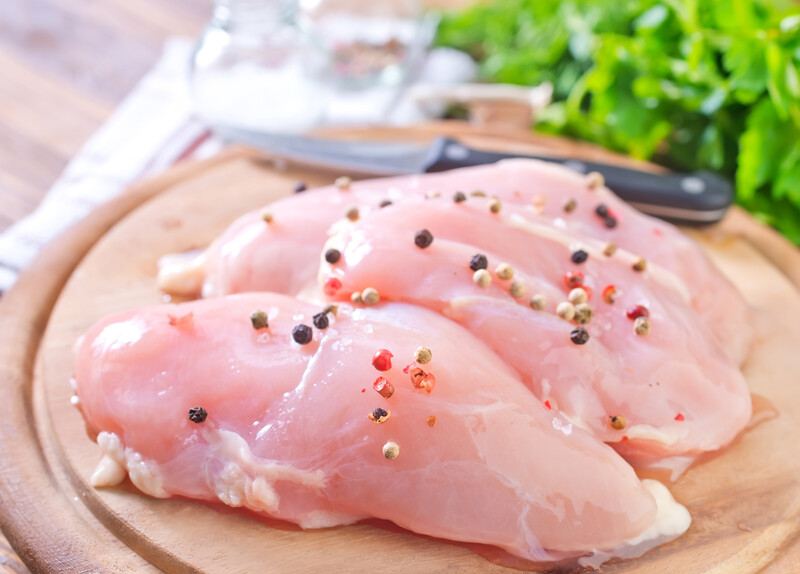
point(745, 502)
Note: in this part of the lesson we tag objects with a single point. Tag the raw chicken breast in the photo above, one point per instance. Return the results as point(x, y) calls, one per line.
point(285, 428)
point(283, 256)
point(674, 391)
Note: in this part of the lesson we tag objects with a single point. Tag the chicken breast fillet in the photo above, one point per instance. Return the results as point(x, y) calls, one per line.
point(676, 392)
point(283, 256)
point(662, 389)
point(202, 400)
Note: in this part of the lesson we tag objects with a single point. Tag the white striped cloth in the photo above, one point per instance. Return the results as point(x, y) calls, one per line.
point(149, 131)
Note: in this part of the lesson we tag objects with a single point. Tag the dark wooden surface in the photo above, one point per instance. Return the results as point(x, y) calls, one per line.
point(64, 66)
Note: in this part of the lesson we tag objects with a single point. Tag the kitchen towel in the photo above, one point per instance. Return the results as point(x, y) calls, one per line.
point(150, 130)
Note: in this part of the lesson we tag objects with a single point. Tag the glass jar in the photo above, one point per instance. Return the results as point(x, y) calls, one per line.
point(372, 49)
point(254, 68)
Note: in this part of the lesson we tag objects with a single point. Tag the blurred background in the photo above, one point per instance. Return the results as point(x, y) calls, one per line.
point(123, 89)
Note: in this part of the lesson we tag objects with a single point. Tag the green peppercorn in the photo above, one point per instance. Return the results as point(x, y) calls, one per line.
point(259, 320)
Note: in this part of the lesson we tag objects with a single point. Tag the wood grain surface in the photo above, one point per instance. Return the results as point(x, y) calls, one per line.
point(745, 502)
point(10, 563)
point(66, 65)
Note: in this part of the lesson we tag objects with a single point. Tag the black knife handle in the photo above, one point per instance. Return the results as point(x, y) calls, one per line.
point(699, 197)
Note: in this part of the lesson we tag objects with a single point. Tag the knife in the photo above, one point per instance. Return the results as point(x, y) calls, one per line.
point(694, 198)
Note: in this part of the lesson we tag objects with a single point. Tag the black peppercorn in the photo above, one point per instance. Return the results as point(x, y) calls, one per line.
point(321, 321)
point(379, 415)
point(459, 197)
point(610, 221)
point(601, 210)
point(579, 336)
point(478, 261)
point(198, 414)
point(423, 238)
point(302, 334)
point(300, 187)
point(579, 256)
point(332, 256)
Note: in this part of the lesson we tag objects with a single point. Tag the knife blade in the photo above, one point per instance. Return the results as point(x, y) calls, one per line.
point(694, 198)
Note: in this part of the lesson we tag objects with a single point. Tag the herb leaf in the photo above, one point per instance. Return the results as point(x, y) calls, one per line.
point(694, 84)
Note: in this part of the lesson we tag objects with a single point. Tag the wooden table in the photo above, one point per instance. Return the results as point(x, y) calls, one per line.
point(66, 65)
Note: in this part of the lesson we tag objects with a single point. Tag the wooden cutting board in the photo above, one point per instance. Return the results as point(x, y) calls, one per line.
point(745, 503)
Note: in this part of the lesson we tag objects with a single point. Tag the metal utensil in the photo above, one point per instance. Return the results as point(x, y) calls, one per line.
point(698, 197)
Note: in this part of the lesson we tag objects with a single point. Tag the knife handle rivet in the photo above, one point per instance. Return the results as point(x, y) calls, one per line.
point(693, 185)
point(456, 152)
point(576, 165)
